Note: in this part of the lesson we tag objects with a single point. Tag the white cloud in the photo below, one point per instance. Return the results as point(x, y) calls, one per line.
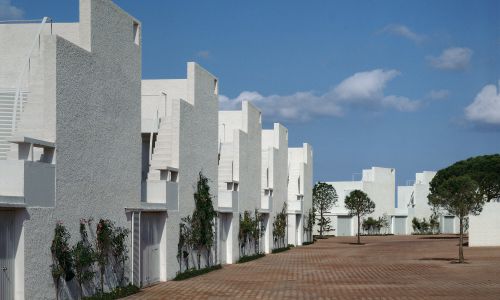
point(438, 94)
point(364, 85)
point(363, 89)
point(455, 58)
point(203, 54)
point(9, 11)
point(403, 31)
point(486, 106)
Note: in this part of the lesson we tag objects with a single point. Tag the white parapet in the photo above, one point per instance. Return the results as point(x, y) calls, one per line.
point(228, 201)
point(295, 206)
point(163, 191)
point(29, 183)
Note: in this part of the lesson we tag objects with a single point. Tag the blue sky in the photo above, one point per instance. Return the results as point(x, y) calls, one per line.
point(367, 83)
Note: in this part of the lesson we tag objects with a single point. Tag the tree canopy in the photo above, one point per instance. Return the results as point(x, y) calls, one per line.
point(484, 170)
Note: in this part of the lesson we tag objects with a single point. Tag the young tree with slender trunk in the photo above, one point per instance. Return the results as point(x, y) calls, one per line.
point(324, 197)
point(359, 204)
point(459, 196)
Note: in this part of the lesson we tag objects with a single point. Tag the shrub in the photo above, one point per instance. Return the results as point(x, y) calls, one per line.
point(116, 293)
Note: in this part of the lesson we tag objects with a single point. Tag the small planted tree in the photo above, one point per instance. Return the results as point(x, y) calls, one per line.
point(324, 197)
point(309, 224)
point(185, 245)
point(459, 196)
point(103, 244)
point(359, 204)
point(279, 227)
point(120, 252)
point(203, 219)
point(62, 260)
point(84, 258)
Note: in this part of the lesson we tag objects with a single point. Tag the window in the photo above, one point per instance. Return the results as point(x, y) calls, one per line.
point(216, 87)
point(232, 186)
point(137, 33)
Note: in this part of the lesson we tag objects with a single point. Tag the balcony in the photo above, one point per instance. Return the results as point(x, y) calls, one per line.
point(30, 180)
point(228, 201)
point(27, 184)
point(266, 201)
point(163, 192)
point(295, 206)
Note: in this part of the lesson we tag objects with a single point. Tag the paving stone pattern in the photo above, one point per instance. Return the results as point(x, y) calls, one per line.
point(391, 267)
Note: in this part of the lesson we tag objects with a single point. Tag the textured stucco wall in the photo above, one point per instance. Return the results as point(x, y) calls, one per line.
point(97, 133)
point(381, 188)
point(300, 182)
point(197, 147)
point(244, 128)
point(276, 141)
point(484, 230)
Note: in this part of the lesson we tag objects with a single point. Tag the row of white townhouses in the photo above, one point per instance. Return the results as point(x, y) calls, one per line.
point(380, 186)
point(82, 136)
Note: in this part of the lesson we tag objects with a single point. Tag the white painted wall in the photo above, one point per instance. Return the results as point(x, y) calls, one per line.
point(195, 130)
point(484, 230)
point(300, 170)
point(275, 159)
point(242, 131)
point(92, 72)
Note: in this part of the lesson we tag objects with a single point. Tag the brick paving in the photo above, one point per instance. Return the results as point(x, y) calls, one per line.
point(393, 267)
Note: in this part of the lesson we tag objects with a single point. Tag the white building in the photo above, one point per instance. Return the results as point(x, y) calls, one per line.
point(300, 184)
point(179, 124)
point(413, 203)
point(69, 136)
point(72, 91)
point(274, 175)
point(239, 182)
point(488, 219)
point(378, 183)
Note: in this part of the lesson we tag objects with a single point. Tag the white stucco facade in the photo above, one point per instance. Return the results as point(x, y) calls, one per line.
point(484, 229)
point(83, 107)
point(413, 203)
point(378, 183)
point(274, 175)
point(300, 184)
point(180, 115)
point(240, 138)
point(82, 136)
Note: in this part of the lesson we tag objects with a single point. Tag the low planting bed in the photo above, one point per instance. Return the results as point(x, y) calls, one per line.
point(117, 293)
point(248, 258)
point(196, 272)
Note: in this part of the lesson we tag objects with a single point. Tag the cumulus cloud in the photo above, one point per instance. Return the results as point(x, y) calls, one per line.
point(9, 11)
point(486, 106)
point(438, 94)
point(403, 31)
point(455, 58)
point(364, 90)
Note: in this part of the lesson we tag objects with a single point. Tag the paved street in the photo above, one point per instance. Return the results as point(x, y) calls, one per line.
point(394, 267)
